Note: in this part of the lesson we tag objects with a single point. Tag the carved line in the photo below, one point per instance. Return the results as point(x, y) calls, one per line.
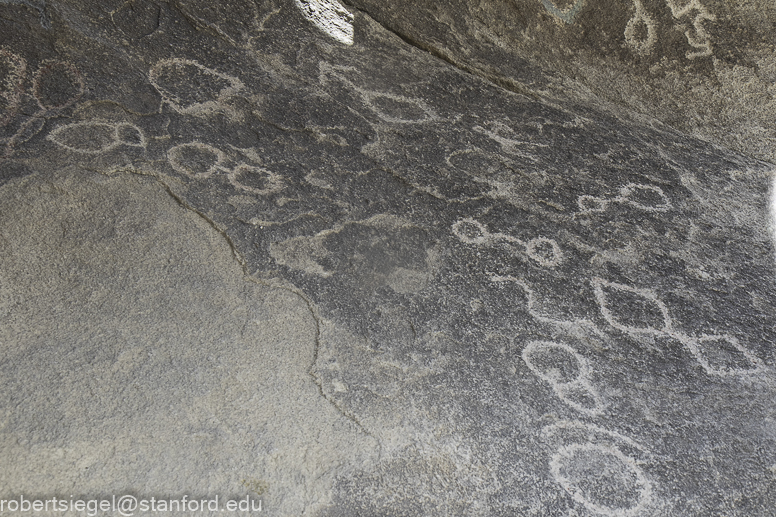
point(195, 108)
point(274, 182)
point(693, 344)
point(369, 96)
point(532, 247)
point(568, 14)
point(48, 67)
point(567, 452)
point(563, 388)
point(113, 128)
point(644, 46)
point(14, 84)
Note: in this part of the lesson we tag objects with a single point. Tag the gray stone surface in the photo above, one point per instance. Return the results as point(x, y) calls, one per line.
point(275, 249)
point(138, 359)
point(706, 67)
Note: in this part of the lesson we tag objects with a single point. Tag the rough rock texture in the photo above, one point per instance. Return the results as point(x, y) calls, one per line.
point(706, 67)
point(275, 249)
point(143, 361)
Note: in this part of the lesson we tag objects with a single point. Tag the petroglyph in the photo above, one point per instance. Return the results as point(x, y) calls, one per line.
point(137, 18)
point(532, 304)
point(641, 31)
point(96, 137)
point(542, 250)
point(600, 469)
point(191, 88)
point(397, 109)
point(588, 203)
point(13, 71)
point(723, 355)
point(234, 21)
point(566, 432)
point(644, 197)
point(637, 312)
point(556, 363)
point(508, 139)
point(581, 396)
point(199, 160)
point(567, 372)
point(56, 85)
point(471, 231)
point(477, 264)
point(478, 163)
point(303, 254)
point(330, 17)
point(255, 180)
point(697, 38)
point(383, 250)
point(631, 310)
point(602, 479)
point(196, 159)
point(640, 312)
point(567, 11)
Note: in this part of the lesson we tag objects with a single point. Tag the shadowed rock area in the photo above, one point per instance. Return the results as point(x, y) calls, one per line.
point(486, 258)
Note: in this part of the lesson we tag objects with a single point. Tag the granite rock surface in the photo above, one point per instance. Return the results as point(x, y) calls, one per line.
point(353, 260)
point(706, 67)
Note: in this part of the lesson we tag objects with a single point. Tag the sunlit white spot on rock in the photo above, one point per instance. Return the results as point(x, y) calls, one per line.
point(330, 17)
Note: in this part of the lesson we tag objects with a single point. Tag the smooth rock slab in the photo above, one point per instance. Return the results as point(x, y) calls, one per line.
point(137, 357)
point(534, 308)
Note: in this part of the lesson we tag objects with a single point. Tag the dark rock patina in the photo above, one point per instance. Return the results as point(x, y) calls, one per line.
point(522, 300)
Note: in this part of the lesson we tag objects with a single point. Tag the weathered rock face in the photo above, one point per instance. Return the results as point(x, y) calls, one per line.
point(706, 67)
point(410, 290)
